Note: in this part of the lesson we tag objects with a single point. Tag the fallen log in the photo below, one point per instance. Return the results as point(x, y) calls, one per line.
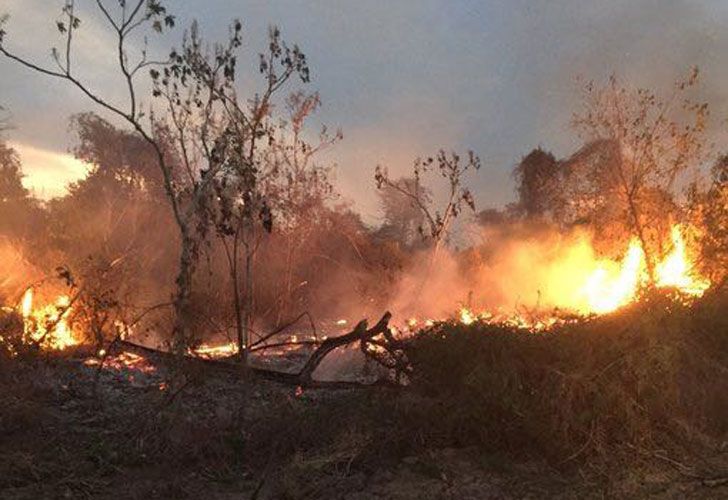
point(303, 378)
point(360, 333)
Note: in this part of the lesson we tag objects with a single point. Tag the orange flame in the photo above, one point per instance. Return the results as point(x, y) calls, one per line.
point(582, 284)
point(606, 289)
point(48, 324)
point(676, 269)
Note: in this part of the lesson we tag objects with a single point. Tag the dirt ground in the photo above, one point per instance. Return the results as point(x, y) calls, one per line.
point(69, 430)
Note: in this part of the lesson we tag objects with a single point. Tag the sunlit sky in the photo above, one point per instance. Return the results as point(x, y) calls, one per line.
point(402, 78)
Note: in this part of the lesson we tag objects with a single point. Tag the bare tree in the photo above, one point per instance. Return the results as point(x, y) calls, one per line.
point(210, 125)
point(126, 21)
point(437, 222)
point(403, 218)
point(649, 141)
point(299, 186)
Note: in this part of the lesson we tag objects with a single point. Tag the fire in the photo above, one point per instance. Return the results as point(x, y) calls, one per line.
point(582, 284)
point(122, 361)
point(48, 324)
point(607, 292)
point(606, 288)
point(676, 270)
point(27, 305)
point(216, 351)
point(466, 316)
point(576, 284)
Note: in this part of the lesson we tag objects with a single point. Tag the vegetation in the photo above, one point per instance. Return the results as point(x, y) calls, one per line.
point(630, 404)
point(211, 216)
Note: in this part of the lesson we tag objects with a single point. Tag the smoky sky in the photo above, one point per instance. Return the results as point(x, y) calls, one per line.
point(403, 78)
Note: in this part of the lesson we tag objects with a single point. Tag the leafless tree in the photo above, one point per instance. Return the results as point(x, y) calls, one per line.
point(644, 141)
point(299, 187)
point(210, 125)
point(403, 218)
point(450, 166)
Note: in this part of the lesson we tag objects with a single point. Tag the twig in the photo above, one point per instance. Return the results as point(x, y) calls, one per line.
point(285, 344)
point(284, 327)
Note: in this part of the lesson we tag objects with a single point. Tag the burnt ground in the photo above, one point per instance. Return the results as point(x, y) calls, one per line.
point(68, 430)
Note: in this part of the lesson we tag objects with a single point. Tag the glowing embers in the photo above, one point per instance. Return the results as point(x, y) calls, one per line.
point(123, 361)
point(531, 322)
point(47, 325)
point(215, 351)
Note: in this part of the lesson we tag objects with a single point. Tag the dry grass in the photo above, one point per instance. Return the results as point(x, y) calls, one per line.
point(624, 405)
point(653, 376)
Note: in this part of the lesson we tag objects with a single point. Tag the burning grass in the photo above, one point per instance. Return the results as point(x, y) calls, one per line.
point(598, 407)
point(591, 397)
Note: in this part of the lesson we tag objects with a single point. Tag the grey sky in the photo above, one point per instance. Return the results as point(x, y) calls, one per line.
point(405, 77)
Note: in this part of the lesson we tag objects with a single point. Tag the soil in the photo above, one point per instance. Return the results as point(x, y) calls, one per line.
point(70, 430)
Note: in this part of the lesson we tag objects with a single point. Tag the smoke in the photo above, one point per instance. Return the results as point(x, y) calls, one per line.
point(518, 267)
point(16, 273)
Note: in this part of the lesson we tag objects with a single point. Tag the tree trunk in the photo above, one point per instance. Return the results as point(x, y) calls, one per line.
point(238, 305)
point(248, 308)
point(639, 229)
point(187, 262)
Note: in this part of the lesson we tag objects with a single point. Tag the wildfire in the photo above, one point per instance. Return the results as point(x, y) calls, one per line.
point(123, 360)
point(466, 316)
point(676, 270)
point(606, 288)
point(607, 292)
point(216, 351)
point(585, 285)
point(578, 284)
point(48, 324)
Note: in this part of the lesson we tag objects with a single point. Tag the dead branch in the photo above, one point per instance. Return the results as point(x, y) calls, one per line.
point(304, 378)
point(360, 333)
point(285, 326)
point(299, 343)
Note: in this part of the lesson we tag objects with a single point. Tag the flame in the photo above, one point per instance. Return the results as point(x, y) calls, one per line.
point(581, 284)
point(216, 351)
point(607, 289)
point(677, 271)
point(123, 361)
point(606, 292)
point(27, 303)
point(466, 316)
point(48, 324)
